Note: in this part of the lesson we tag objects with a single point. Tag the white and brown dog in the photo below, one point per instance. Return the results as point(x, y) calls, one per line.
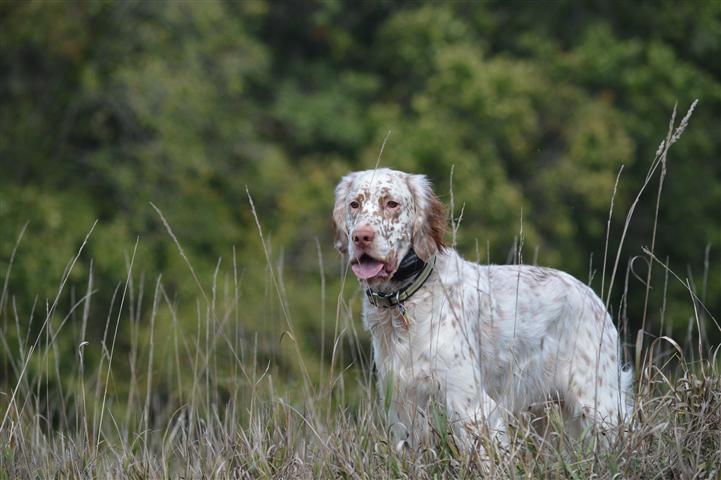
point(480, 340)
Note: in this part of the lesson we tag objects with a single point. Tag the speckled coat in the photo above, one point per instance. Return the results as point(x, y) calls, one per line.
point(481, 341)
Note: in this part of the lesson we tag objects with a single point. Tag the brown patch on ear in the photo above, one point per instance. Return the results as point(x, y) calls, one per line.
point(429, 226)
point(430, 238)
point(340, 228)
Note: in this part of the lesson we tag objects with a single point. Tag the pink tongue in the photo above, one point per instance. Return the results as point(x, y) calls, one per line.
point(367, 269)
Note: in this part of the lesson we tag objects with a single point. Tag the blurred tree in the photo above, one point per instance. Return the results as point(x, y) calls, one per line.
point(107, 106)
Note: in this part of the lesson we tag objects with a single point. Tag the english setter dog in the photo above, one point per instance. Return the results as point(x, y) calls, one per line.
point(481, 341)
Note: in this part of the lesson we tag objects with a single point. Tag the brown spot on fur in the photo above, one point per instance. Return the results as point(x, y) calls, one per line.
point(585, 357)
point(537, 273)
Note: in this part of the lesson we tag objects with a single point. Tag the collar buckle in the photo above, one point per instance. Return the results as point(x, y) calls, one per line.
point(380, 299)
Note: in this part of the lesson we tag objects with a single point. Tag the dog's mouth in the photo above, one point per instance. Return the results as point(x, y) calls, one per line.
point(366, 267)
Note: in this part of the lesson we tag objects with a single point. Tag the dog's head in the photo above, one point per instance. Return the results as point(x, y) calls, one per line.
point(379, 215)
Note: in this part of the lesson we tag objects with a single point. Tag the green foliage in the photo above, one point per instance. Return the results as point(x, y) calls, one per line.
point(108, 106)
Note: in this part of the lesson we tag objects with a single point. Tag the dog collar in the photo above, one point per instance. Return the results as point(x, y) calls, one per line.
point(392, 299)
point(411, 265)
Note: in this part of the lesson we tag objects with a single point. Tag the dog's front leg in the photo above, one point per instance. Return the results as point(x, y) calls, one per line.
point(477, 421)
point(408, 414)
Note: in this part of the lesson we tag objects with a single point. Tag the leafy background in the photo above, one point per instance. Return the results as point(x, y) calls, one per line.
point(534, 106)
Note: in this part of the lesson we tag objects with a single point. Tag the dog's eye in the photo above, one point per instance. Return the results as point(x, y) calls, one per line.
point(392, 204)
point(354, 204)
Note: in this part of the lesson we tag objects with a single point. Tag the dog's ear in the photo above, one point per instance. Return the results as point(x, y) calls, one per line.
point(429, 222)
point(340, 225)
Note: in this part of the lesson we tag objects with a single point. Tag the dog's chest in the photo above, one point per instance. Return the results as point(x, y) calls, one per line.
point(412, 354)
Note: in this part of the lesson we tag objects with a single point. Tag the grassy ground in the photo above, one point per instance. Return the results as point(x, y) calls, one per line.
point(233, 420)
point(207, 402)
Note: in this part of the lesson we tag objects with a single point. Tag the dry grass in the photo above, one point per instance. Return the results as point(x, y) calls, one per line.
point(243, 427)
point(219, 411)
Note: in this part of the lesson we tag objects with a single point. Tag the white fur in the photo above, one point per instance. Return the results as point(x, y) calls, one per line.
point(481, 341)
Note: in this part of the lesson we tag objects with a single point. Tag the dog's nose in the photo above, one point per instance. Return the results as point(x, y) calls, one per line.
point(363, 236)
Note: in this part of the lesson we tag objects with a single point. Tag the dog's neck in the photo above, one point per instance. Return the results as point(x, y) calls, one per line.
point(410, 267)
point(410, 276)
